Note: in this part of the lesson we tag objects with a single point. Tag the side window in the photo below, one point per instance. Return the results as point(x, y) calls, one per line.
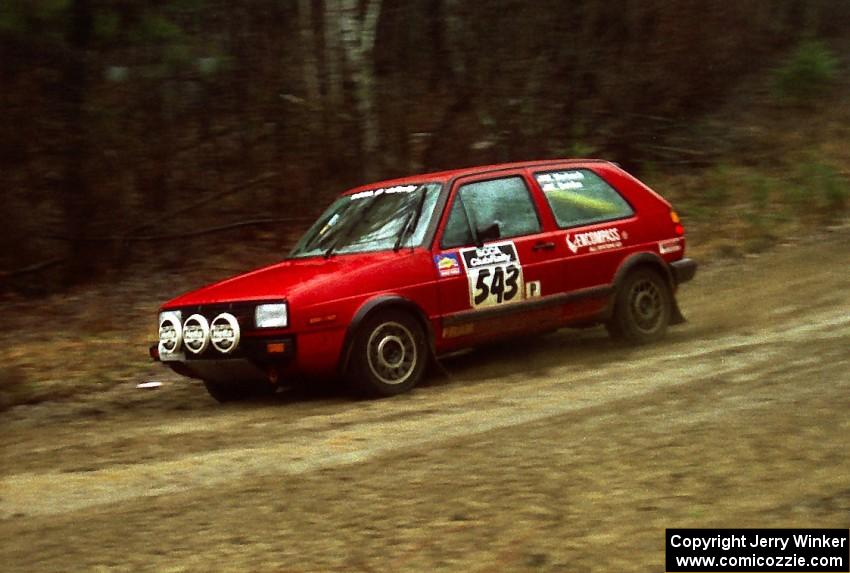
point(581, 197)
point(504, 201)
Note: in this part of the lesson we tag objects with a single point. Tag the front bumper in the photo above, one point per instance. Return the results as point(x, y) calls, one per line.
point(683, 270)
point(254, 360)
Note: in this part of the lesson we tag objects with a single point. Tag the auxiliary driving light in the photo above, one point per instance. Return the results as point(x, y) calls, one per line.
point(224, 333)
point(196, 334)
point(170, 332)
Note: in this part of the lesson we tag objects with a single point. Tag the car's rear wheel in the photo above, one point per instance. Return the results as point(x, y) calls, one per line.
point(388, 355)
point(235, 391)
point(642, 308)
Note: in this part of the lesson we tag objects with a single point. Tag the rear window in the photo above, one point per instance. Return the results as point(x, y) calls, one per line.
point(580, 197)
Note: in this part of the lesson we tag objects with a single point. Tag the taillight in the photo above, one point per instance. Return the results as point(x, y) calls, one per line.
point(678, 228)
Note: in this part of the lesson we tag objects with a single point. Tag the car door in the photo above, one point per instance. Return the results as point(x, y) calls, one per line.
point(488, 288)
point(597, 227)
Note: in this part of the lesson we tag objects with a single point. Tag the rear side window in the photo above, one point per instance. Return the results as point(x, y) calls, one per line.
point(504, 201)
point(580, 197)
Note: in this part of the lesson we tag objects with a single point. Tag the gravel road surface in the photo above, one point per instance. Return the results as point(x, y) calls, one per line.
point(565, 452)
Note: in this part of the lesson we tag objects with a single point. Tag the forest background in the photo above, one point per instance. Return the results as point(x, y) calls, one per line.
point(150, 136)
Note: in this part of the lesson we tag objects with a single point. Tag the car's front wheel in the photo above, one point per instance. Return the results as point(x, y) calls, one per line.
point(388, 355)
point(642, 308)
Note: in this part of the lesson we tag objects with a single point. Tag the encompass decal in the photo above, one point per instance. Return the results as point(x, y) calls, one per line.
point(595, 240)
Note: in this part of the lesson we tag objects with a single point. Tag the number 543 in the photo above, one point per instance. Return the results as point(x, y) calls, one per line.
point(497, 283)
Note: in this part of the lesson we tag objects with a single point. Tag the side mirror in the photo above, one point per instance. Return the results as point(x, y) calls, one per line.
point(489, 232)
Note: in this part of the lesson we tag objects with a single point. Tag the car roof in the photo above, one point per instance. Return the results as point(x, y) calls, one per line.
point(445, 176)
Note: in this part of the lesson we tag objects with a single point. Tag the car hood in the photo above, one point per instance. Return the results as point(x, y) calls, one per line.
point(293, 279)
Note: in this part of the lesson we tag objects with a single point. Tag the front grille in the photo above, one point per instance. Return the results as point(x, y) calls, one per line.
point(243, 311)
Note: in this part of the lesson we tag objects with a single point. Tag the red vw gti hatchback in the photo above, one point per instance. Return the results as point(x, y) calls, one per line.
point(396, 273)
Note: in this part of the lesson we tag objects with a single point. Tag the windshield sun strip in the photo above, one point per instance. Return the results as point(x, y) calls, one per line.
point(348, 220)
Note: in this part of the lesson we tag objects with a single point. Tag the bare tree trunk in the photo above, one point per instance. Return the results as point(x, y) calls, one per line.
point(357, 35)
point(332, 88)
point(454, 45)
point(454, 66)
point(308, 51)
point(333, 71)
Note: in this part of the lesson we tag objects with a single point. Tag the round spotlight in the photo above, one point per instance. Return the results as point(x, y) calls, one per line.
point(196, 334)
point(170, 333)
point(224, 333)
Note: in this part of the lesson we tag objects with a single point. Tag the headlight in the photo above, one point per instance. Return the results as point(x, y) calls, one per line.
point(224, 333)
point(272, 315)
point(170, 332)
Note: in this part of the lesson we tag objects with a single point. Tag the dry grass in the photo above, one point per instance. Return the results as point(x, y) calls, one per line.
point(95, 337)
point(783, 173)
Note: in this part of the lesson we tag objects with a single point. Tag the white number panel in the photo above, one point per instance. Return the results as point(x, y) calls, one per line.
point(494, 273)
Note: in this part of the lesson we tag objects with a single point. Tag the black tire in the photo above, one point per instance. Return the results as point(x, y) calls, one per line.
point(236, 391)
point(642, 308)
point(388, 354)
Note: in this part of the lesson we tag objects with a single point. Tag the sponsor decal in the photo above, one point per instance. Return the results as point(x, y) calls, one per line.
point(494, 274)
point(561, 181)
point(489, 255)
point(447, 265)
point(671, 246)
point(532, 289)
point(600, 240)
point(460, 330)
point(384, 190)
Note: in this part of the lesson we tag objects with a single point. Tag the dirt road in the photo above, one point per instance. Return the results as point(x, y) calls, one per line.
point(564, 453)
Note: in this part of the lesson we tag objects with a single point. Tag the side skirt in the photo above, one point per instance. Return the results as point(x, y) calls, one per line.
point(468, 316)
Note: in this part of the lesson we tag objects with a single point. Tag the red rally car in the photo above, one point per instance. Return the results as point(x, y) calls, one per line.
point(396, 273)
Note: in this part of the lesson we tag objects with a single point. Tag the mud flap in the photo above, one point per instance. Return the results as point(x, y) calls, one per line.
point(676, 316)
point(437, 367)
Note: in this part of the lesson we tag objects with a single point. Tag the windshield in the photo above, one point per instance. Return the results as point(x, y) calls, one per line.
point(372, 220)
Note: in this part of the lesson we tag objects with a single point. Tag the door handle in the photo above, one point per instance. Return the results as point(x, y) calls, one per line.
point(543, 246)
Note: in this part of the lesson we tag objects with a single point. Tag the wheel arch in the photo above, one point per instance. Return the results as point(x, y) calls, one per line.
point(656, 263)
point(378, 304)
